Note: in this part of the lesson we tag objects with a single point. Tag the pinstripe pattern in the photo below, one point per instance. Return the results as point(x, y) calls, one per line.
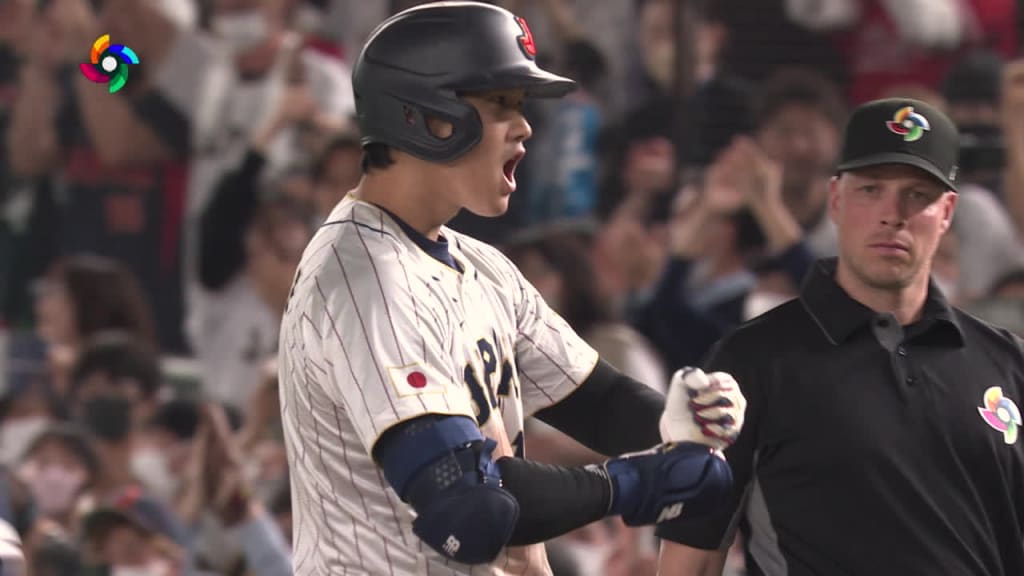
point(369, 309)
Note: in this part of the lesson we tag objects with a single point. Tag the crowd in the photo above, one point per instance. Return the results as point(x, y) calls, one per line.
point(149, 238)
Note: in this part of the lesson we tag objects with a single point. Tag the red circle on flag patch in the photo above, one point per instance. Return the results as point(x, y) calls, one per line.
point(417, 380)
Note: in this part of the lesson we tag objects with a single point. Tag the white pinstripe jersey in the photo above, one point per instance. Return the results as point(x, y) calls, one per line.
point(378, 332)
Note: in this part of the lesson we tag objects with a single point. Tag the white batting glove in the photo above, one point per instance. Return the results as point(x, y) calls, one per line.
point(703, 408)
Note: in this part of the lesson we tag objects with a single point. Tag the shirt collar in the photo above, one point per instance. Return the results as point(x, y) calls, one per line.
point(436, 249)
point(839, 315)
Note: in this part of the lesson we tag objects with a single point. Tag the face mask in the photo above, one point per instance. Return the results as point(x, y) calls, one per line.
point(589, 559)
point(150, 466)
point(108, 417)
point(182, 13)
point(54, 488)
point(242, 31)
point(16, 436)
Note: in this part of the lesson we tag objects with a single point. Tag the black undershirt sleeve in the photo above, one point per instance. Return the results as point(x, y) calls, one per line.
point(553, 500)
point(609, 413)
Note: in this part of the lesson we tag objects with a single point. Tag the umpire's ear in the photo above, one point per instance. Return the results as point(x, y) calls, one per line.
point(833, 198)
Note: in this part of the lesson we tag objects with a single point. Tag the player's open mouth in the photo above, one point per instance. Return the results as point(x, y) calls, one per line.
point(509, 169)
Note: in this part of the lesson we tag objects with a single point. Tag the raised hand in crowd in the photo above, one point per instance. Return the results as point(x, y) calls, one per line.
point(75, 25)
point(296, 106)
point(15, 24)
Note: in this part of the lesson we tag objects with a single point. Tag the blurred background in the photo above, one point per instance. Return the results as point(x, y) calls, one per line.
point(148, 238)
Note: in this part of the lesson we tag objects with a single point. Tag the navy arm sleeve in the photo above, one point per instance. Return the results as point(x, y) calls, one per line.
point(552, 500)
point(709, 532)
point(609, 413)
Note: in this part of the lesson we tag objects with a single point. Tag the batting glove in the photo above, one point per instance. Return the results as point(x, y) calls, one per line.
point(704, 408)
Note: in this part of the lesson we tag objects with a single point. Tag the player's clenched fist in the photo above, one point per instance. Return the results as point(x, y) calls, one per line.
point(703, 408)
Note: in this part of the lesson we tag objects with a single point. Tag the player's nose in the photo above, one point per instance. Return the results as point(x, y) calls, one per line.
point(521, 129)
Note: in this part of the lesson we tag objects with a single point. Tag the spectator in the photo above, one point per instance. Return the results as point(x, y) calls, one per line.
point(83, 295)
point(271, 104)
point(799, 115)
point(59, 467)
point(129, 534)
point(890, 42)
point(119, 159)
point(28, 402)
point(336, 171)
point(114, 388)
point(258, 277)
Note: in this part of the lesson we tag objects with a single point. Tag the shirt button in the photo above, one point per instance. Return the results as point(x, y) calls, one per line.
point(911, 380)
point(901, 351)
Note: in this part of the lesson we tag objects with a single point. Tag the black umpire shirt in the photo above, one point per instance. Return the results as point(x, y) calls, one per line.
point(869, 447)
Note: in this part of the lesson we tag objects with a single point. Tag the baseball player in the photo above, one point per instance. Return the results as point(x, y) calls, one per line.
point(411, 354)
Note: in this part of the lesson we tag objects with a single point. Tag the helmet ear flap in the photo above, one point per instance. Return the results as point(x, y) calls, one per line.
point(403, 124)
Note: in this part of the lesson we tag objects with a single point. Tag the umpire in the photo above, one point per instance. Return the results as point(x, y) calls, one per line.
point(882, 426)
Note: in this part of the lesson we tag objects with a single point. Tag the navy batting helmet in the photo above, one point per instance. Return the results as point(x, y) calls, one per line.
point(419, 62)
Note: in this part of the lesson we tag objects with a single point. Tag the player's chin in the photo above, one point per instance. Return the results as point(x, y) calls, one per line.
point(495, 204)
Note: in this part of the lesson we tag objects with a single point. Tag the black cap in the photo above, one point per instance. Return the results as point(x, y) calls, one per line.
point(902, 131)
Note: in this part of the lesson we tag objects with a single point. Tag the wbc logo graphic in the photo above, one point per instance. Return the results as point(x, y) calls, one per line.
point(1001, 413)
point(108, 63)
point(908, 124)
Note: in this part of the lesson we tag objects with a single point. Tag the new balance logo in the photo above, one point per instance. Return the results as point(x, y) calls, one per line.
point(670, 512)
point(451, 545)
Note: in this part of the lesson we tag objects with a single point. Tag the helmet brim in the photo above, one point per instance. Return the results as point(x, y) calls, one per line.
point(536, 82)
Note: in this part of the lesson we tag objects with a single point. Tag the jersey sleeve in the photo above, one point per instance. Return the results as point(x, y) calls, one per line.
point(552, 359)
point(388, 354)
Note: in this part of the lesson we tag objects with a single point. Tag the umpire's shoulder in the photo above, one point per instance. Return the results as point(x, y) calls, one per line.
point(1002, 345)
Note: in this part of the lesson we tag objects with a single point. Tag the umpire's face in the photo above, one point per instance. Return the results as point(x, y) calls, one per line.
point(889, 219)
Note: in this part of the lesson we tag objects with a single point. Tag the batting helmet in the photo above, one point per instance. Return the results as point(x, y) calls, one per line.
point(419, 62)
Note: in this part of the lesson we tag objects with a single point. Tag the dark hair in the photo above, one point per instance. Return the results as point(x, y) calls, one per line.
point(800, 86)
point(585, 63)
point(179, 418)
point(120, 357)
point(278, 213)
point(376, 156)
point(345, 141)
point(976, 77)
point(76, 440)
point(106, 295)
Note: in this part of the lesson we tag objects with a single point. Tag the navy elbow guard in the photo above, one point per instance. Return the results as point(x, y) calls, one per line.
point(667, 482)
point(443, 468)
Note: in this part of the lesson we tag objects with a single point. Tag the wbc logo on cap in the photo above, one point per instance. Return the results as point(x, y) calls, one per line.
point(908, 124)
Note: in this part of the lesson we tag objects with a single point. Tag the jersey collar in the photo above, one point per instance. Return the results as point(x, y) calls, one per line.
point(436, 249)
point(839, 315)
